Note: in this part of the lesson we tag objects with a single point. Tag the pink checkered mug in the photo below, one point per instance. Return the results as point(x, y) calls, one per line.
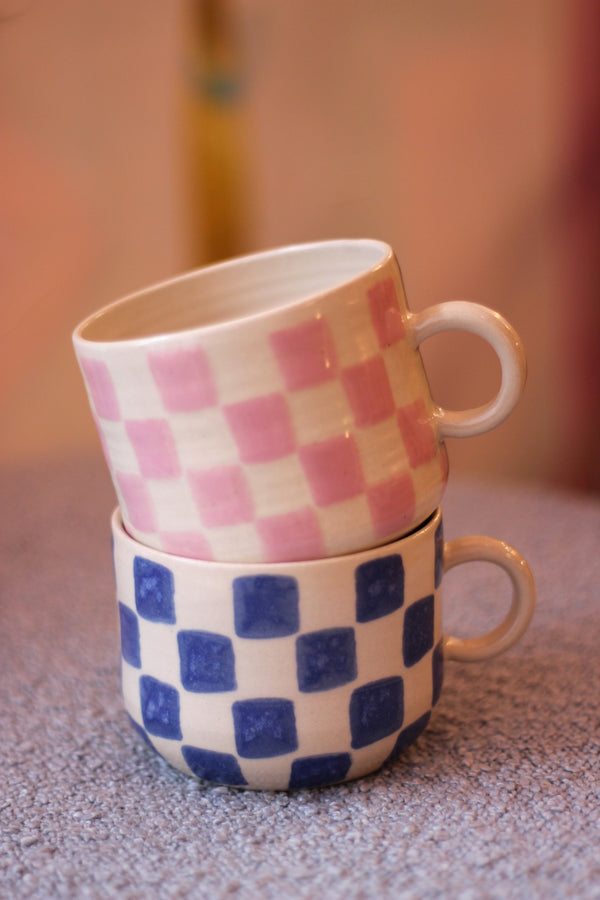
point(274, 407)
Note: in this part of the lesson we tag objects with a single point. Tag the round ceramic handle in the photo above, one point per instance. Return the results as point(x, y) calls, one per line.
point(486, 549)
point(490, 325)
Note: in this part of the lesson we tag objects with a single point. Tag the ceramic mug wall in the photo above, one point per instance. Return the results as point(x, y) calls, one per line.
point(275, 407)
point(295, 674)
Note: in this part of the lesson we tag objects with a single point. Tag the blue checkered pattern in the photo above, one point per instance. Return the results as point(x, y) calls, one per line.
point(270, 669)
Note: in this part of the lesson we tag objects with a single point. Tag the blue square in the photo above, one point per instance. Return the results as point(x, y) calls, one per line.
point(379, 587)
point(130, 636)
point(220, 768)
point(207, 662)
point(376, 711)
point(409, 735)
point(316, 771)
point(437, 662)
point(439, 554)
point(417, 638)
point(264, 727)
point(265, 606)
point(154, 591)
point(326, 659)
point(160, 708)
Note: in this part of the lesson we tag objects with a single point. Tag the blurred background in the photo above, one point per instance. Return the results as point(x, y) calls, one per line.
point(139, 138)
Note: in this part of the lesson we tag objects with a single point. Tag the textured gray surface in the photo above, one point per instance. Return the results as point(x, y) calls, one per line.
point(499, 798)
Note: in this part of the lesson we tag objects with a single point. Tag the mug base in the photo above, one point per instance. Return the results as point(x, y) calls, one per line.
point(319, 770)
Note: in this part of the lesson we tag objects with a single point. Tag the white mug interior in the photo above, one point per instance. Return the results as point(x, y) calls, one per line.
point(244, 287)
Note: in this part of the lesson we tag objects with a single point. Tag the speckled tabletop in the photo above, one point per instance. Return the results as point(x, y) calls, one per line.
point(499, 798)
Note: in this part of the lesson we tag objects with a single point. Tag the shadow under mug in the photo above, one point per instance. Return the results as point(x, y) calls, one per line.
point(275, 407)
point(297, 674)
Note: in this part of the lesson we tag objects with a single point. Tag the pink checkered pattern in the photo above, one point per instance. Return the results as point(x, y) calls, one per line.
point(208, 471)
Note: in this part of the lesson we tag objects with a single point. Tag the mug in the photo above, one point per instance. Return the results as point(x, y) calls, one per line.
point(299, 674)
point(275, 407)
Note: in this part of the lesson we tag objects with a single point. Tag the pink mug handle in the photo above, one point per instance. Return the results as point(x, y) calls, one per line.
point(490, 325)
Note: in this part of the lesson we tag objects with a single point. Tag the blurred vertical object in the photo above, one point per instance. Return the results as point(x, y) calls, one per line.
point(214, 133)
point(577, 216)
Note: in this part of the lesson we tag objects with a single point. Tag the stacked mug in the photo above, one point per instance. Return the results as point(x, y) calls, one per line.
point(279, 464)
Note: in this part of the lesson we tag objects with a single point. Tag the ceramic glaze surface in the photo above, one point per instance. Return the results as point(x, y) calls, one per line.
point(290, 675)
point(301, 431)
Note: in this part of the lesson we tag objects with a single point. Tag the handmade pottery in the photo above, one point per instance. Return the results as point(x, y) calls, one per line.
point(297, 674)
point(275, 407)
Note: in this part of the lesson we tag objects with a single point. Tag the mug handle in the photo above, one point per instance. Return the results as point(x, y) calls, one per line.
point(486, 549)
point(492, 327)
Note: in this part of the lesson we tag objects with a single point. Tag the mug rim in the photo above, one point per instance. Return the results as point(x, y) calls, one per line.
point(115, 308)
point(356, 556)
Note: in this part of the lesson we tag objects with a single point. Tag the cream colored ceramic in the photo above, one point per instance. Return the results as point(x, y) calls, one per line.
point(298, 674)
point(275, 407)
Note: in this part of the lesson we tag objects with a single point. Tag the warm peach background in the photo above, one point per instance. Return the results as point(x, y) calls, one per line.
point(466, 134)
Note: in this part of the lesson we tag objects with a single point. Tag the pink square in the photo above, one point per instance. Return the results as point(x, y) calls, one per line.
point(103, 440)
point(137, 501)
point(305, 353)
point(392, 506)
point(262, 428)
point(154, 447)
point(385, 313)
point(186, 543)
point(101, 388)
point(184, 379)
point(417, 433)
point(222, 496)
point(292, 536)
point(368, 390)
point(333, 469)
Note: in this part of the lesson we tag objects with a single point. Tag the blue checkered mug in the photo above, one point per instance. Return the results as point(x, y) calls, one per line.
point(291, 675)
